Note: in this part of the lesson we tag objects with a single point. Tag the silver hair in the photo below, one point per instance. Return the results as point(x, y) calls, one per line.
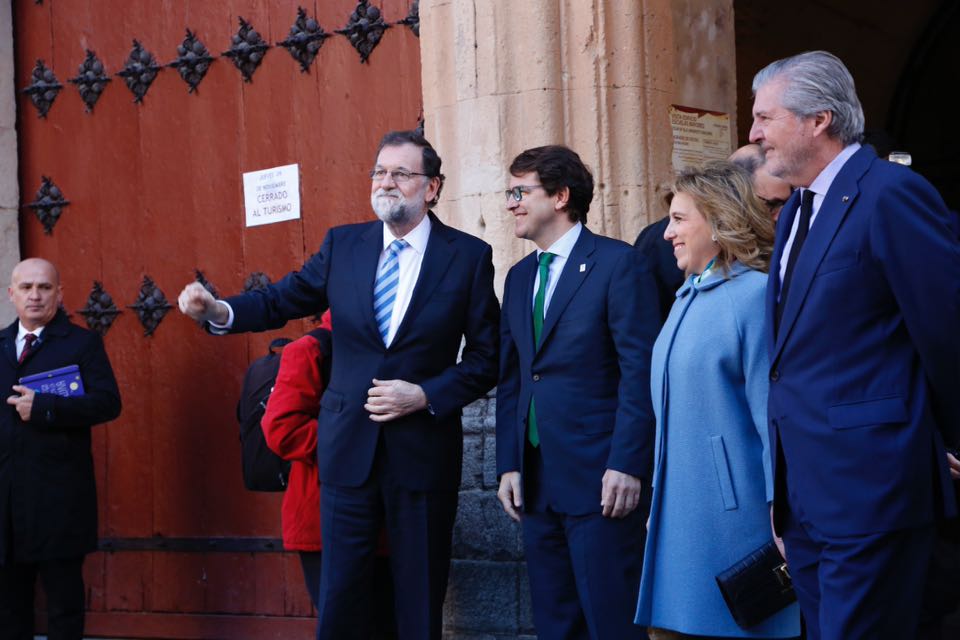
point(818, 81)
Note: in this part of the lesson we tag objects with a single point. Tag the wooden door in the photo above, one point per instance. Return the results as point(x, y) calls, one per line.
point(155, 191)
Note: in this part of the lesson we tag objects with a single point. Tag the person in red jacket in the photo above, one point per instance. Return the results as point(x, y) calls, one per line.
point(290, 430)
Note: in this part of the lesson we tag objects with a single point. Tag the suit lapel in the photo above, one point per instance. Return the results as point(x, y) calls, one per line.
point(522, 305)
point(784, 224)
point(365, 261)
point(836, 203)
point(574, 272)
point(436, 259)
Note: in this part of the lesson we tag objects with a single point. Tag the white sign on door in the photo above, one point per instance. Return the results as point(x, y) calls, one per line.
point(272, 195)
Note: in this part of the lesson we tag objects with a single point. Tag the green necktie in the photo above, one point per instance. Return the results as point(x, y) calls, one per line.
point(545, 258)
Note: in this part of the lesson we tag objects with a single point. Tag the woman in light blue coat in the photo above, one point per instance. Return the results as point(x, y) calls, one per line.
point(712, 482)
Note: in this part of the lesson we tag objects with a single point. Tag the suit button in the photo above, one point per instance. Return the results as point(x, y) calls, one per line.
point(536, 377)
point(774, 375)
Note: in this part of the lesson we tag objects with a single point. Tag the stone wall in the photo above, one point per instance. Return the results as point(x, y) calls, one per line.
point(9, 188)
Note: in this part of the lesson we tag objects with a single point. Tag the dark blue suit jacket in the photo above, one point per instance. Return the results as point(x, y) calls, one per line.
point(865, 365)
point(590, 376)
point(47, 490)
point(452, 300)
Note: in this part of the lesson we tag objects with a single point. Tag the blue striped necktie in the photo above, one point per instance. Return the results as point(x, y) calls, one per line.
point(385, 288)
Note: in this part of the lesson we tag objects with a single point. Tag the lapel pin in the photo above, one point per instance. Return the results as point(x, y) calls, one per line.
point(583, 267)
point(845, 198)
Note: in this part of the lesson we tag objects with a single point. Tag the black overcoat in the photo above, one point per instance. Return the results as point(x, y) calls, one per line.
point(48, 500)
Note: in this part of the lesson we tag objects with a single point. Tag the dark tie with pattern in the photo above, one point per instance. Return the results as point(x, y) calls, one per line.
point(803, 228)
point(538, 303)
point(28, 341)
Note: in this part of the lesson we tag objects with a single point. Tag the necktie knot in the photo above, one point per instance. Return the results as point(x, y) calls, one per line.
point(546, 258)
point(28, 341)
point(397, 246)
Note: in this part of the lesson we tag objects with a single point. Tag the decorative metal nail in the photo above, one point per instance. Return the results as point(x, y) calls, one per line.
point(151, 306)
point(413, 18)
point(193, 61)
point(48, 204)
point(305, 39)
point(91, 80)
point(247, 49)
point(100, 311)
point(365, 28)
point(43, 88)
point(256, 280)
point(202, 279)
point(140, 71)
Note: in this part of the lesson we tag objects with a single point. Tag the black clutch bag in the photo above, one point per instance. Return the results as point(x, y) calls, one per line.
point(757, 587)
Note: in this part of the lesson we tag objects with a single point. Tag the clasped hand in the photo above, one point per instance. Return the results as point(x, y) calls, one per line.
point(23, 403)
point(391, 399)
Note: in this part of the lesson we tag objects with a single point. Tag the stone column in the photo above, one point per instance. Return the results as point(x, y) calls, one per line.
point(500, 77)
point(9, 188)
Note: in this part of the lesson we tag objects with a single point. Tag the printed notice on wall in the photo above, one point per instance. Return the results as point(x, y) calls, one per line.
point(698, 136)
point(272, 195)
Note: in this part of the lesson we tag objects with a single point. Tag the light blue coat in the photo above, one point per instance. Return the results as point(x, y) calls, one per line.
point(712, 480)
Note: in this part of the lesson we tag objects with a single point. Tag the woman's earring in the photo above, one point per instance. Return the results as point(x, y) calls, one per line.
point(714, 237)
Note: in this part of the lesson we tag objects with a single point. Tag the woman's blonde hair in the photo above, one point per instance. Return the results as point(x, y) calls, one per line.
point(723, 194)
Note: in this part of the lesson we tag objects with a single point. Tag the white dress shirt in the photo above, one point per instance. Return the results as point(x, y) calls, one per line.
point(819, 186)
point(410, 260)
point(22, 335)
point(561, 251)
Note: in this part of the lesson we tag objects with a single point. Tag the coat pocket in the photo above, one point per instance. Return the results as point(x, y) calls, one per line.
point(722, 467)
point(867, 413)
point(331, 401)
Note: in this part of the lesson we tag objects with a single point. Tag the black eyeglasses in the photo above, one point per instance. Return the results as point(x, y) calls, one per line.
point(517, 193)
point(773, 203)
point(397, 175)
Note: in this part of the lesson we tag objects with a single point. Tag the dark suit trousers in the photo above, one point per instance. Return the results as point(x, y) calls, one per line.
point(584, 570)
point(866, 587)
point(62, 581)
point(419, 528)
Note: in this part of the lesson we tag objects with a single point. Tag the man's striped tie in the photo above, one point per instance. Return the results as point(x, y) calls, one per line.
point(385, 288)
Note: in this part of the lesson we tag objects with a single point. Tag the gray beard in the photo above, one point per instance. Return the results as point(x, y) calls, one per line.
point(392, 214)
point(399, 212)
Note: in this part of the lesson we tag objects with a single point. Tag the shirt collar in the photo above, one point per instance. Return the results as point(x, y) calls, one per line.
point(417, 238)
point(821, 184)
point(22, 331)
point(564, 244)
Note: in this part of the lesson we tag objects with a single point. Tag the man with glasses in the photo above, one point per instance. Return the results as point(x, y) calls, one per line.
point(404, 292)
point(772, 191)
point(575, 423)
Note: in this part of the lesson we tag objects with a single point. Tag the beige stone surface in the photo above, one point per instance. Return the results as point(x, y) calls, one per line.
point(7, 89)
point(9, 190)
point(599, 76)
point(9, 256)
point(706, 57)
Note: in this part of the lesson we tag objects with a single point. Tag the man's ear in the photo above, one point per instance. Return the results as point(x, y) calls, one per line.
point(821, 122)
point(563, 198)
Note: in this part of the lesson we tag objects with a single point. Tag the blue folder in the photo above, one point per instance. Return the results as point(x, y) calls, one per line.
point(64, 382)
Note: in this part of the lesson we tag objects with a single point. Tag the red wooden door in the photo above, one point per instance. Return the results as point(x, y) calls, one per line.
point(155, 190)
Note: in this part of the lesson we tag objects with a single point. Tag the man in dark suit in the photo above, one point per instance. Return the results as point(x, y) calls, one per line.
point(48, 499)
point(658, 252)
point(862, 310)
point(574, 420)
point(404, 292)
